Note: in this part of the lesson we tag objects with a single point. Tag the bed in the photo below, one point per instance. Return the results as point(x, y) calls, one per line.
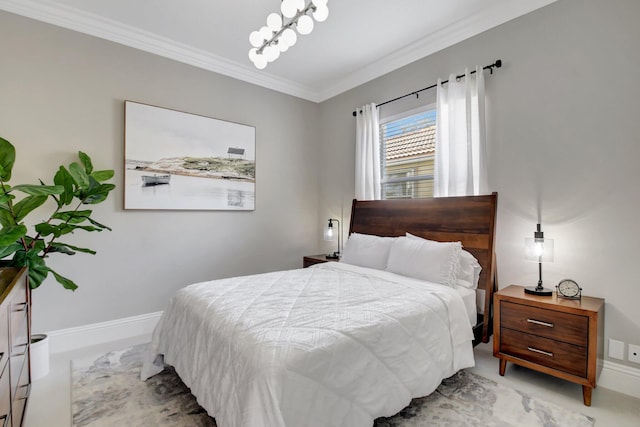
point(336, 344)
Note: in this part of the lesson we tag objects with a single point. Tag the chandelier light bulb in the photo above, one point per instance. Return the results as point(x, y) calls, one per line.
point(253, 54)
point(289, 36)
point(305, 25)
point(281, 44)
point(274, 22)
point(271, 53)
point(299, 4)
point(319, 3)
point(288, 8)
point(321, 14)
point(260, 62)
point(266, 33)
point(255, 38)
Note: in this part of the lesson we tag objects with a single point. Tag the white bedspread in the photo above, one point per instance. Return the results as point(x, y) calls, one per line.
point(330, 345)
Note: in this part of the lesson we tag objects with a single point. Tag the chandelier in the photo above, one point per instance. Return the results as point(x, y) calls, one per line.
point(278, 35)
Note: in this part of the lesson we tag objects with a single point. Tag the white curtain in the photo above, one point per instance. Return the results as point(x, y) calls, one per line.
point(367, 154)
point(460, 165)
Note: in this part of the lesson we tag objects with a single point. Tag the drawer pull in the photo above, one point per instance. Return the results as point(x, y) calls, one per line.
point(27, 393)
point(16, 347)
point(537, 322)
point(20, 307)
point(535, 350)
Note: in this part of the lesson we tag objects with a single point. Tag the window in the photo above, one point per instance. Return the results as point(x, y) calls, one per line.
point(407, 144)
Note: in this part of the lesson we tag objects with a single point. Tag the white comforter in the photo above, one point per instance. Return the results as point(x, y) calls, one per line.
point(330, 345)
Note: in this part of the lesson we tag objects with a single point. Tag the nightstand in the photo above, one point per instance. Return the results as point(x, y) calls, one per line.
point(308, 260)
point(556, 336)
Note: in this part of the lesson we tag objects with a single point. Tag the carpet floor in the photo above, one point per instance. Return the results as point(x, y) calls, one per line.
point(107, 391)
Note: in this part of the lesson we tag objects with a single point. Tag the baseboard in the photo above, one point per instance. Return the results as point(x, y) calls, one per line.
point(620, 378)
point(70, 339)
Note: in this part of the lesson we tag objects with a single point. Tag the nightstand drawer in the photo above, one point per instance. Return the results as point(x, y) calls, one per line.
point(543, 351)
point(569, 328)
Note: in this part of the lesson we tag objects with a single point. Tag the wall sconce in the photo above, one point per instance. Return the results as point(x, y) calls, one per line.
point(330, 235)
point(541, 250)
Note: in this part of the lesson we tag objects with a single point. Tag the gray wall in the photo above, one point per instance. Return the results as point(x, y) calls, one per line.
point(564, 144)
point(62, 92)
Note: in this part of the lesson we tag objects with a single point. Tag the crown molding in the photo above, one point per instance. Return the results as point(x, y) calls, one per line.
point(91, 24)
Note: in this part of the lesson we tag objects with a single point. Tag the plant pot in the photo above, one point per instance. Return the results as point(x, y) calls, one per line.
point(39, 356)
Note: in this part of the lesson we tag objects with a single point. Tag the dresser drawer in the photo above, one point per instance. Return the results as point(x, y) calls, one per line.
point(19, 329)
point(564, 357)
point(569, 328)
point(18, 364)
point(21, 395)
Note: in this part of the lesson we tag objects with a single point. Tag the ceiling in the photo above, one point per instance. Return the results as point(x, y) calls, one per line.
point(361, 39)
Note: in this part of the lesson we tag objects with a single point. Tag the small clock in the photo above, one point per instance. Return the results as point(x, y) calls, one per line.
point(568, 288)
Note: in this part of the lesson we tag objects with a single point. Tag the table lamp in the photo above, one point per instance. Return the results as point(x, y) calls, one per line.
point(330, 235)
point(541, 250)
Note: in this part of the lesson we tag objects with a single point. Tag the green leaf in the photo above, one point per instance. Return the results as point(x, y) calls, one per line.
point(102, 176)
point(80, 177)
point(97, 224)
point(7, 159)
point(85, 227)
point(38, 270)
point(86, 162)
point(26, 205)
point(60, 249)
point(66, 283)
point(69, 249)
point(64, 178)
point(5, 251)
point(11, 234)
point(46, 229)
point(98, 194)
point(39, 190)
point(73, 217)
point(4, 198)
point(38, 247)
point(6, 218)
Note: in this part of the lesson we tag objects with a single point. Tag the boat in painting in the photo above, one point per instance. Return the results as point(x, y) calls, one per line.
point(148, 181)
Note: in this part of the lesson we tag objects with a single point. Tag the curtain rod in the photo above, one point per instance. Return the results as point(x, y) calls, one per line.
point(489, 67)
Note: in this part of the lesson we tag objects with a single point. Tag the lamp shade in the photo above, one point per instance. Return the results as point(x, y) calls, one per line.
point(538, 249)
point(329, 233)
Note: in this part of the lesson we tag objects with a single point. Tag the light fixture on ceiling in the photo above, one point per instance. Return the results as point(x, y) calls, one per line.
point(278, 35)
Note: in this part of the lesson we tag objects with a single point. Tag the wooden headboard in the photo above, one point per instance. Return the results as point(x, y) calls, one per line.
point(470, 220)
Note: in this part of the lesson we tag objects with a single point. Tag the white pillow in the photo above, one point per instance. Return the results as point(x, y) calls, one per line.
point(367, 250)
point(469, 272)
point(437, 262)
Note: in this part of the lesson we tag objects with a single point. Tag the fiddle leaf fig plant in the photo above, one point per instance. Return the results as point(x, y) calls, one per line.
point(74, 187)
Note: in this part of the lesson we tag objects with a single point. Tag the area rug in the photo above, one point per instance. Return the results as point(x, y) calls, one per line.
point(107, 391)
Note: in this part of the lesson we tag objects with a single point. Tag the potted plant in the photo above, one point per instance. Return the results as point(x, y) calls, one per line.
point(74, 187)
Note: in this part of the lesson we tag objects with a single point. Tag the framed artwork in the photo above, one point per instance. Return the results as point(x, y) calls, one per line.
point(181, 161)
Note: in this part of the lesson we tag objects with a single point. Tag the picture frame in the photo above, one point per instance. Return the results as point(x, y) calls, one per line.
point(181, 161)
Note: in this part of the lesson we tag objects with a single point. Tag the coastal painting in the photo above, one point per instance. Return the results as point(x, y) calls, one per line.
point(181, 161)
